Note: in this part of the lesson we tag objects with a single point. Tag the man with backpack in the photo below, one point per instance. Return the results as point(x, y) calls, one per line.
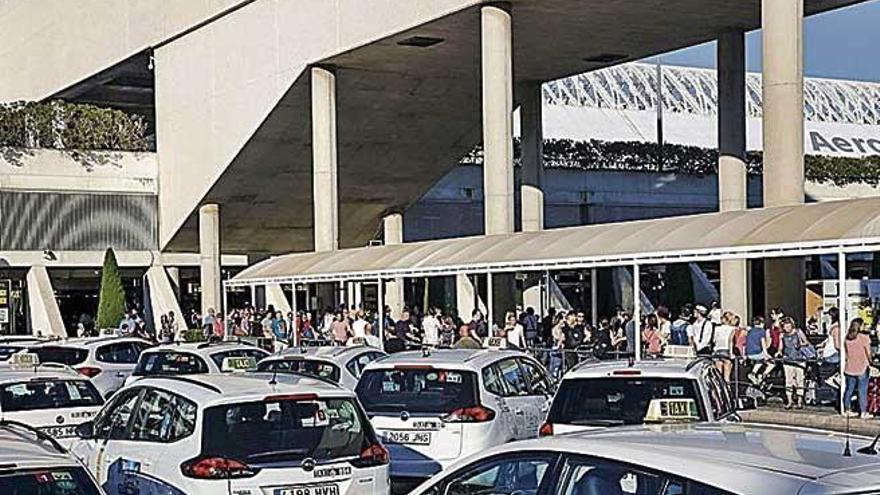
point(702, 332)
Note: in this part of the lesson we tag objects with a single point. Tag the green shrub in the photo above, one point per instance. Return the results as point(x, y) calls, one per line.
point(111, 299)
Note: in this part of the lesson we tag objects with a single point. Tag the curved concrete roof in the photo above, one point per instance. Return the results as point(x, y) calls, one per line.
point(786, 230)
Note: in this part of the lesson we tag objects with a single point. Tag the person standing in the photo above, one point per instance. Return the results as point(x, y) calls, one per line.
point(557, 350)
point(514, 332)
point(701, 333)
point(431, 327)
point(479, 329)
point(858, 360)
point(651, 337)
point(530, 326)
point(723, 343)
point(359, 327)
point(466, 340)
point(339, 329)
point(793, 339)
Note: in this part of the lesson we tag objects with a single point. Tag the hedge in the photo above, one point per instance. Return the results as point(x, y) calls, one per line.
point(691, 160)
point(70, 126)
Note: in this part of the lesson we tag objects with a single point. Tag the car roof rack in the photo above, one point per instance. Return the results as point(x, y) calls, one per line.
point(41, 435)
point(183, 379)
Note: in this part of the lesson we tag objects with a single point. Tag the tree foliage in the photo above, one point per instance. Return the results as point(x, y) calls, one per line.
point(111, 300)
point(70, 126)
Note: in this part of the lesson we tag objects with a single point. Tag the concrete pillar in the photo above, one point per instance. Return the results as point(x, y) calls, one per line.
point(497, 64)
point(392, 225)
point(45, 316)
point(324, 167)
point(732, 180)
point(532, 188)
point(783, 133)
point(209, 256)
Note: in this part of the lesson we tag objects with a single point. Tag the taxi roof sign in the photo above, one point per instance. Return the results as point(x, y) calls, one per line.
point(496, 343)
point(25, 360)
point(238, 364)
point(667, 410)
point(680, 351)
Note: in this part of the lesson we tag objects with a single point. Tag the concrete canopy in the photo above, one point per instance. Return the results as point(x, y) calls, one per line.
point(407, 114)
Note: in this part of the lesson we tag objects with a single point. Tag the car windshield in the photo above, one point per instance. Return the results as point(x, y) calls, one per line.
point(49, 481)
point(417, 390)
point(48, 394)
point(286, 429)
point(310, 367)
point(169, 363)
point(56, 354)
point(619, 401)
point(6, 351)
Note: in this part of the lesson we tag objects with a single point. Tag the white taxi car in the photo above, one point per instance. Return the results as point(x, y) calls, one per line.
point(108, 361)
point(616, 393)
point(242, 434)
point(32, 463)
point(432, 408)
point(341, 365)
point(192, 358)
point(50, 397)
point(679, 459)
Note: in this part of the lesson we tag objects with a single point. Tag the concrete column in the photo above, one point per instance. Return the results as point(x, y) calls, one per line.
point(783, 132)
point(497, 64)
point(45, 316)
point(532, 189)
point(324, 167)
point(392, 225)
point(732, 181)
point(209, 256)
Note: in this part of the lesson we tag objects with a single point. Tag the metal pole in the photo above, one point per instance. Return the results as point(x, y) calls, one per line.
point(637, 311)
point(340, 299)
point(547, 290)
point(594, 296)
point(253, 296)
point(295, 328)
point(490, 304)
point(380, 295)
point(223, 311)
point(842, 322)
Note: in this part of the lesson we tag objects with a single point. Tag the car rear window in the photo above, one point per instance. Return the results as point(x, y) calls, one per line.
point(48, 394)
point(169, 363)
point(619, 401)
point(417, 390)
point(309, 367)
point(48, 481)
point(286, 429)
point(6, 351)
point(57, 354)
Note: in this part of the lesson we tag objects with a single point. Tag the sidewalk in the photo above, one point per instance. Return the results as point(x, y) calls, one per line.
point(811, 417)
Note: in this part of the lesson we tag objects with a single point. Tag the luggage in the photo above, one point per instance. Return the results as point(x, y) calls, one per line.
point(874, 395)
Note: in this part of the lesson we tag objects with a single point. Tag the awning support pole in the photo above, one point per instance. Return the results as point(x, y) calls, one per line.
point(594, 297)
point(380, 310)
point(490, 305)
point(224, 311)
point(842, 322)
point(637, 311)
point(294, 328)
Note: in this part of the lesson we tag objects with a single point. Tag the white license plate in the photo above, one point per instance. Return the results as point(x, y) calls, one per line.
point(308, 490)
point(60, 431)
point(408, 437)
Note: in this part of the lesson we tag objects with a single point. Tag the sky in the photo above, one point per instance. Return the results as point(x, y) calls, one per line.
point(841, 44)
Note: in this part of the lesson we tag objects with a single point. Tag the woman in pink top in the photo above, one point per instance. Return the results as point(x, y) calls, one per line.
point(858, 359)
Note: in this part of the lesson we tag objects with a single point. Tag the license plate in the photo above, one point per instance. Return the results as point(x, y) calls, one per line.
point(308, 490)
point(60, 431)
point(408, 437)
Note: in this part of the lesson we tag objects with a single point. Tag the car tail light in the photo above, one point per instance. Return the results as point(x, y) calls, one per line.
point(374, 455)
point(475, 414)
point(546, 430)
point(89, 371)
point(216, 468)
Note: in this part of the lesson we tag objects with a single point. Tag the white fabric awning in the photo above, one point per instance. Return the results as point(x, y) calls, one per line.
point(836, 226)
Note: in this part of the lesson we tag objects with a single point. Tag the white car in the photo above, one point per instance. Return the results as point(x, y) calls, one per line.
point(108, 361)
point(616, 393)
point(191, 358)
point(341, 365)
point(243, 434)
point(32, 463)
point(50, 397)
point(12, 344)
point(432, 408)
point(683, 459)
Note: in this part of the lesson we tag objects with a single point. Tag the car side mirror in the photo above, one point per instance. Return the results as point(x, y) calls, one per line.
point(86, 431)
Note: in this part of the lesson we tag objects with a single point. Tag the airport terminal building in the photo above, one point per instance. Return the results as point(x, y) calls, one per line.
point(282, 127)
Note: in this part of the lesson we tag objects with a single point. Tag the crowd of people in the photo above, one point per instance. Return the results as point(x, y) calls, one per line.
point(563, 338)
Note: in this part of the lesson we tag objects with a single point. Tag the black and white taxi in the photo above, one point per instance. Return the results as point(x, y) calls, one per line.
point(242, 434)
point(33, 463)
point(108, 361)
point(432, 408)
point(50, 397)
point(617, 393)
point(343, 364)
point(672, 459)
point(196, 358)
